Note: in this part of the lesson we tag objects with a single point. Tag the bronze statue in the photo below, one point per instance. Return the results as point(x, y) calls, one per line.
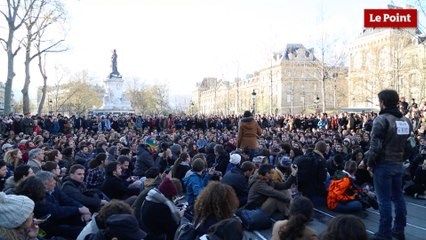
point(114, 72)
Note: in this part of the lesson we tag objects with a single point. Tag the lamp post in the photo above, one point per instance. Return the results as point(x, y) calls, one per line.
point(253, 96)
point(316, 101)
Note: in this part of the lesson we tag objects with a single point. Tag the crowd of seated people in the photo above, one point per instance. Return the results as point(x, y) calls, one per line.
point(90, 179)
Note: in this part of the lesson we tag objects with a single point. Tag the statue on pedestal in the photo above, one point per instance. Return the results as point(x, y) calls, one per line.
point(114, 72)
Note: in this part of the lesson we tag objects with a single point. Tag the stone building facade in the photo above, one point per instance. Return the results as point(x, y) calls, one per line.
point(386, 58)
point(291, 84)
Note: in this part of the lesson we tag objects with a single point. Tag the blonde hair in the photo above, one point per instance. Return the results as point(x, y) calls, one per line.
point(10, 157)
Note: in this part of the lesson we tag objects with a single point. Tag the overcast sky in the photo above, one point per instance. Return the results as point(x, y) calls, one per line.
point(180, 42)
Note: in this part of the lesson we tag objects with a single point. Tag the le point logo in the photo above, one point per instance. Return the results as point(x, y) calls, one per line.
point(390, 18)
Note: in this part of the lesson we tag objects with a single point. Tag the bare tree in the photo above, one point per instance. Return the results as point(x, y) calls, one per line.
point(42, 15)
point(15, 18)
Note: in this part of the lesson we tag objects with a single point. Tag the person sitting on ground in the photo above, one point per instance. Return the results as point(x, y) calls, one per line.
point(20, 174)
point(216, 202)
point(234, 160)
point(197, 180)
point(119, 226)
point(99, 220)
point(159, 217)
point(13, 158)
point(153, 180)
point(345, 227)
point(114, 187)
point(295, 228)
point(344, 196)
point(16, 219)
point(418, 188)
point(67, 216)
point(75, 187)
point(238, 178)
point(96, 173)
point(342, 193)
point(3, 174)
point(181, 166)
point(270, 196)
point(36, 157)
point(313, 173)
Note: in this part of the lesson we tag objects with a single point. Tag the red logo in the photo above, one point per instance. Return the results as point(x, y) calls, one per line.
point(390, 18)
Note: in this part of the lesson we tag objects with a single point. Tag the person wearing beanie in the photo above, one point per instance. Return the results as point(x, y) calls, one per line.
point(164, 217)
point(234, 160)
point(16, 218)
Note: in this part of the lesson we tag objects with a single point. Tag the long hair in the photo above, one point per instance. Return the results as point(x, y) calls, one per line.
point(300, 214)
point(216, 199)
point(182, 157)
point(11, 158)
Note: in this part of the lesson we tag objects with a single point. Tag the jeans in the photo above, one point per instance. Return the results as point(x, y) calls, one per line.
point(388, 185)
point(348, 206)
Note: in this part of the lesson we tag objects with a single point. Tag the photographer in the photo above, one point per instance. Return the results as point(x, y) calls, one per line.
point(268, 195)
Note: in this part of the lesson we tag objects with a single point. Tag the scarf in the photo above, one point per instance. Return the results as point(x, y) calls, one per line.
point(154, 195)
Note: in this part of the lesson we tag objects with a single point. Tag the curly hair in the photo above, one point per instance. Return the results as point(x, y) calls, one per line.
point(348, 227)
point(216, 199)
point(300, 213)
point(113, 207)
point(33, 188)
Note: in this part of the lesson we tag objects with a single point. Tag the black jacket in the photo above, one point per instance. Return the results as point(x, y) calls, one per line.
point(78, 192)
point(116, 188)
point(236, 179)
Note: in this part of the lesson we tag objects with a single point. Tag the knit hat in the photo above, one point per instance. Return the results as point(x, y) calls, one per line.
point(175, 148)
point(167, 188)
point(235, 158)
point(124, 226)
point(151, 142)
point(14, 209)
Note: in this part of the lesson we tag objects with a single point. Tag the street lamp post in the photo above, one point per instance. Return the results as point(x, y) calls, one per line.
point(253, 95)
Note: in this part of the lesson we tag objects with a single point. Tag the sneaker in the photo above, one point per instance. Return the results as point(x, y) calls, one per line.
point(398, 236)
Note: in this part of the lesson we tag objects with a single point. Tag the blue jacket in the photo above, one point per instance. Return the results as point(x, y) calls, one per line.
point(194, 183)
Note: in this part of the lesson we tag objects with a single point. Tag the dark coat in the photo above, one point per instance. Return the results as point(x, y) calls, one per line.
point(116, 188)
point(143, 162)
point(159, 223)
point(76, 191)
point(236, 179)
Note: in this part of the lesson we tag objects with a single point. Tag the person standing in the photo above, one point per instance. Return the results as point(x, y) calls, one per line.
point(248, 130)
point(385, 158)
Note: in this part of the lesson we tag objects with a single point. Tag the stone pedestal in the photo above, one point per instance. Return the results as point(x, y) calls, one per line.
point(114, 99)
